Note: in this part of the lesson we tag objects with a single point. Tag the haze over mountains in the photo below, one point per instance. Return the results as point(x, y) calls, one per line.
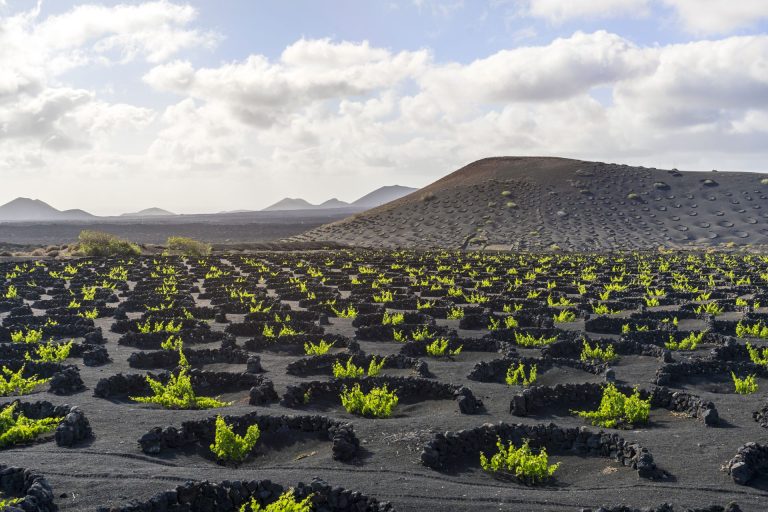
point(378, 197)
point(537, 203)
point(33, 210)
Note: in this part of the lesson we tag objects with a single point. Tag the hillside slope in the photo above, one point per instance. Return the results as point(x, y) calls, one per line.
point(537, 202)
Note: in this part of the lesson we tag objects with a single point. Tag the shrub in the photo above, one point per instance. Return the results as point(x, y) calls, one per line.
point(745, 386)
point(348, 312)
point(51, 353)
point(11, 293)
point(178, 393)
point(31, 336)
point(7, 502)
point(228, 446)
point(439, 348)
point(377, 403)
point(455, 314)
point(617, 409)
point(285, 503)
point(516, 375)
point(757, 330)
point(606, 354)
point(374, 368)
point(350, 370)
point(321, 348)
point(392, 319)
point(173, 342)
point(565, 315)
point(690, 342)
point(758, 356)
point(98, 243)
point(520, 463)
point(529, 340)
point(188, 246)
point(13, 382)
point(20, 429)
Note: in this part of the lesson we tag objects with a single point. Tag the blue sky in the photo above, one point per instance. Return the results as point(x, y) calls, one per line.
point(235, 104)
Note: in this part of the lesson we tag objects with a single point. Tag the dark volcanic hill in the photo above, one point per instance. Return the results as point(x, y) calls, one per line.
point(537, 202)
point(23, 209)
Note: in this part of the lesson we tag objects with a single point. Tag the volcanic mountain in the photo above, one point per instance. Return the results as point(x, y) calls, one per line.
point(149, 212)
point(541, 202)
point(378, 197)
point(23, 209)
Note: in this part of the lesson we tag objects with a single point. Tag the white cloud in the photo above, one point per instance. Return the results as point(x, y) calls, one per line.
point(559, 11)
point(718, 16)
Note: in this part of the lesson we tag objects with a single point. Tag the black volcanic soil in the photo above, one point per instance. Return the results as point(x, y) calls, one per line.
point(534, 203)
point(111, 470)
point(253, 227)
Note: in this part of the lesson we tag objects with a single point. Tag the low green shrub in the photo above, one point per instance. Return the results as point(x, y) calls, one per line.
point(377, 403)
point(392, 318)
point(15, 383)
point(516, 375)
point(758, 356)
point(228, 446)
point(347, 371)
point(439, 348)
point(745, 386)
point(756, 330)
point(285, 503)
point(178, 393)
point(321, 348)
point(690, 342)
point(188, 247)
point(519, 463)
point(31, 336)
point(374, 367)
point(565, 315)
point(596, 353)
point(20, 429)
point(98, 243)
point(7, 502)
point(529, 340)
point(618, 410)
point(51, 353)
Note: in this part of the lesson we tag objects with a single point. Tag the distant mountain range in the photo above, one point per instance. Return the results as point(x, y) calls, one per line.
point(149, 212)
point(376, 198)
point(23, 209)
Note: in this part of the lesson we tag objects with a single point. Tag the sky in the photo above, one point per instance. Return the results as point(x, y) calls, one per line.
point(206, 106)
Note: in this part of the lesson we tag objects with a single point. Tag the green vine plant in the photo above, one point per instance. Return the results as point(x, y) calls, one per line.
point(285, 503)
point(178, 393)
point(618, 410)
point(351, 371)
point(690, 342)
point(516, 375)
point(16, 429)
point(757, 355)
point(439, 348)
point(756, 330)
point(589, 353)
point(392, 318)
point(173, 342)
point(31, 336)
point(50, 353)
point(321, 348)
point(7, 502)
point(455, 314)
point(231, 447)
point(519, 463)
point(745, 386)
point(377, 403)
point(15, 383)
point(529, 340)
